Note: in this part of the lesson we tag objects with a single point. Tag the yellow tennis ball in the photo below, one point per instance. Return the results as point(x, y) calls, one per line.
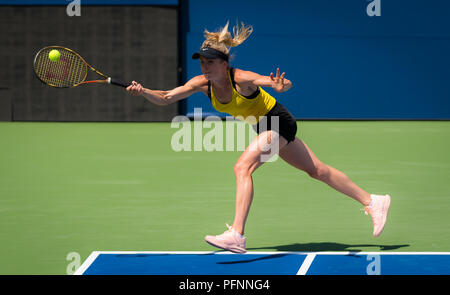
point(54, 55)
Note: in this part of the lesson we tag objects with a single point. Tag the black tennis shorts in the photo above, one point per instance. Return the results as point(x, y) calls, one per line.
point(286, 122)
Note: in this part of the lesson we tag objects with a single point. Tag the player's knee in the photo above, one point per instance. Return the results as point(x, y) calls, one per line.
point(242, 169)
point(320, 172)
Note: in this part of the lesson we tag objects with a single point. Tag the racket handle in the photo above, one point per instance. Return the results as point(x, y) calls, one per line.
point(117, 82)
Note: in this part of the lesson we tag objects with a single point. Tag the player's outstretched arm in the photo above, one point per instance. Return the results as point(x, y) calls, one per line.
point(166, 97)
point(278, 82)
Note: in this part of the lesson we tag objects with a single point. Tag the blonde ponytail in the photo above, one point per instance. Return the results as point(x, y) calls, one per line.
point(222, 40)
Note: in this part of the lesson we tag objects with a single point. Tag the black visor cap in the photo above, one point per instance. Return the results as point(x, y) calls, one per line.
point(210, 53)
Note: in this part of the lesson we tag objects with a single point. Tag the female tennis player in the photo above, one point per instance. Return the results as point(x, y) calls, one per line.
point(240, 94)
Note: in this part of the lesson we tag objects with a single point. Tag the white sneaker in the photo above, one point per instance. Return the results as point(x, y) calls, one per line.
point(230, 240)
point(378, 210)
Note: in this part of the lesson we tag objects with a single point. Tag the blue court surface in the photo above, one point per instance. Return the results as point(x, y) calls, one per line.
point(266, 263)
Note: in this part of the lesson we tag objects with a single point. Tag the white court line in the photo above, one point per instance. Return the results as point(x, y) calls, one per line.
point(273, 252)
point(87, 263)
point(201, 252)
point(306, 264)
point(310, 256)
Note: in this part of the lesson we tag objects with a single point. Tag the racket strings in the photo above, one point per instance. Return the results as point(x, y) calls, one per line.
point(69, 70)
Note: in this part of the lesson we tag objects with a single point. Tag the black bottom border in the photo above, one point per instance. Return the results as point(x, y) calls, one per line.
point(213, 284)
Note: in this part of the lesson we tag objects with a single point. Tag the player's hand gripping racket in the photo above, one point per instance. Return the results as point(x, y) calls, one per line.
point(69, 70)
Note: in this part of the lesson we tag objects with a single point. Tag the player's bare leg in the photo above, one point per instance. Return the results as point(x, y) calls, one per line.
point(247, 163)
point(252, 158)
point(299, 155)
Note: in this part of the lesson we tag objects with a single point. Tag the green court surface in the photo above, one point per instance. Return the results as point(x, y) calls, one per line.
point(83, 187)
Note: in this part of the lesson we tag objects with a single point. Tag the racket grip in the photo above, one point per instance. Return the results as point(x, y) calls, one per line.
point(117, 82)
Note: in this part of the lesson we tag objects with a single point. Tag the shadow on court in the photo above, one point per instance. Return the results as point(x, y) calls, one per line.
point(253, 260)
point(328, 246)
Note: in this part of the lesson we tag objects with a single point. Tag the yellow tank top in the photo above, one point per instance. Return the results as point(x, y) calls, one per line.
point(249, 109)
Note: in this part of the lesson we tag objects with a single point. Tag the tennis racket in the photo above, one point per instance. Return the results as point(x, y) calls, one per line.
point(70, 70)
